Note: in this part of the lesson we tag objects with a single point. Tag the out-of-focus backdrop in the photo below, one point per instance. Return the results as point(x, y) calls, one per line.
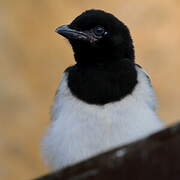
point(33, 57)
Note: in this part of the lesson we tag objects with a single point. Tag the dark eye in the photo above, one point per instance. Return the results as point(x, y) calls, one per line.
point(99, 31)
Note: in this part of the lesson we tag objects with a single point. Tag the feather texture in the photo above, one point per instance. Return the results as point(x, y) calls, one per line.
point(80, 130)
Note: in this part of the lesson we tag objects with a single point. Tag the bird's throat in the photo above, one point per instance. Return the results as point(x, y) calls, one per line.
point(102, 84)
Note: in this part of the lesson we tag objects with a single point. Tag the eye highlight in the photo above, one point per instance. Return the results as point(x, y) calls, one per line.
point(99, 31)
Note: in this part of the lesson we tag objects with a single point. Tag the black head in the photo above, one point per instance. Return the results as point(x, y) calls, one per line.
point(98, 37)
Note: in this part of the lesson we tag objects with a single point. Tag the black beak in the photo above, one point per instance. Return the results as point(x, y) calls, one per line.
point(69, 33)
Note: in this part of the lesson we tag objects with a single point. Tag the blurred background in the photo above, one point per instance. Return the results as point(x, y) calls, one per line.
point(33, 57)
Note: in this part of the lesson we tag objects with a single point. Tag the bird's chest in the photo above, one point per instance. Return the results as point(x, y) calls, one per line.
point(83, 122)
point(80, 130)
point(92, 127)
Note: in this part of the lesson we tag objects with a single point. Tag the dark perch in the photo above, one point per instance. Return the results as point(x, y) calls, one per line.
point(153, 158)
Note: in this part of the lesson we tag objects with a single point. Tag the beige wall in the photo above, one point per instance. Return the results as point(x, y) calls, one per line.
point(33, 57)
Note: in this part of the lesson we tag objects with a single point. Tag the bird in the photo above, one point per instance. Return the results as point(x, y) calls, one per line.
point(105, 99)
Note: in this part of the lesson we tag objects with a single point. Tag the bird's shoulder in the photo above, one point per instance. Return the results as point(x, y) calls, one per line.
point(140, 68)
point(145, 87)
point(70, 68)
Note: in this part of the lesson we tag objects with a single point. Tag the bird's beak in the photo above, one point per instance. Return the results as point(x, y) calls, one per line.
point(69, 33)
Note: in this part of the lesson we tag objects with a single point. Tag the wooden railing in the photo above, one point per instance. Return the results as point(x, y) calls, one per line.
point(154, 158)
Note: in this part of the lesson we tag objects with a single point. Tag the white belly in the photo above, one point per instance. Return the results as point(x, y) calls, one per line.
point(79, 130)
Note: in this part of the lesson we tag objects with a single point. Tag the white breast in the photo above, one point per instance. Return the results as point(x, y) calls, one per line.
point(79, 130)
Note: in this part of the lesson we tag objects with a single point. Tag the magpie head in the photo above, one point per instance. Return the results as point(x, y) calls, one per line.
point(98, 37)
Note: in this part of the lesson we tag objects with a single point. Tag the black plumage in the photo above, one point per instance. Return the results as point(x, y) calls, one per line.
point(104, 53)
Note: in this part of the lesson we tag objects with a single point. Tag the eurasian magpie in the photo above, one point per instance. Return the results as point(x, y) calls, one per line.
point(103, 101)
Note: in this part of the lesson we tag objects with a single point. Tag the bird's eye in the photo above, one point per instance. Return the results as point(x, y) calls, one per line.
point(99, 31)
